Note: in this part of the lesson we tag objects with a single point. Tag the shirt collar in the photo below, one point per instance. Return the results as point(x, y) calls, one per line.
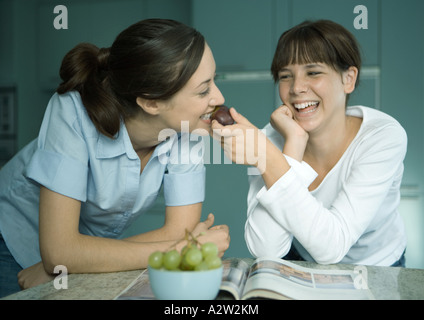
point(119, 145)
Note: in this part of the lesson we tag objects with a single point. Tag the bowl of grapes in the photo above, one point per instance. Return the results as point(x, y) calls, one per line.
point(195, 273)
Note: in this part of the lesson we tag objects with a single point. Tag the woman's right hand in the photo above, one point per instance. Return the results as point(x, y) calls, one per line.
point(33, 276)
point(206, 232)
point(294, 135)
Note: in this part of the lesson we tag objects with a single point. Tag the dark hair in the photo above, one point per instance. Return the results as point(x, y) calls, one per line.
point(152, 59)
point(321, 41)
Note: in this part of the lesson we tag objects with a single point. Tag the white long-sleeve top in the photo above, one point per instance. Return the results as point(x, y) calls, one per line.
point(352, 217)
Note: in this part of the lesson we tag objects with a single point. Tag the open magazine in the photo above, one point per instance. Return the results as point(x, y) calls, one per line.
point(270, 279)
point(281, 279)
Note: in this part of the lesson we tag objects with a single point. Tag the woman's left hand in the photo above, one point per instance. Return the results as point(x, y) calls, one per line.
point(294, 135)
point(205, 231)
point(33, 276)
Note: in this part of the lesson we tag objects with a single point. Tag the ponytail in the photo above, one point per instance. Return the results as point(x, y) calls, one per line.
point(85, 69)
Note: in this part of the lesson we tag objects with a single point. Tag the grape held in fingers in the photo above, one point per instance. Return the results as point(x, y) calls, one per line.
point(222, 115)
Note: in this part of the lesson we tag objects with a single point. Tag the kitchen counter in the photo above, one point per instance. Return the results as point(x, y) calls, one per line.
point(385, 283)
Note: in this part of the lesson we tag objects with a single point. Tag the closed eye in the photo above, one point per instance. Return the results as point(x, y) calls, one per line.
point(314, 73)
point(208, 90)
point(205, 93)
point(283, 77)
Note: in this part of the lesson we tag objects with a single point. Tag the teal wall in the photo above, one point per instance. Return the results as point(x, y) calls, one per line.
point(243, 35)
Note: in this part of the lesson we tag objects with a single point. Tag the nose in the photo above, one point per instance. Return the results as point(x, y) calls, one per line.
point(217, 97)
point(299, 85)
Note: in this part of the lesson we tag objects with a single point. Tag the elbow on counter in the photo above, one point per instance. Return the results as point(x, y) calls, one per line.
point(258, 252)
point(259, 247)
point(51, 262)
point(330, 250)
point(53, 257)
point(327, 256)
point(326, 261)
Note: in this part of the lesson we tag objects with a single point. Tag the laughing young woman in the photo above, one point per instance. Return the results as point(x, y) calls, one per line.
point(98, 162)
point(330, 187)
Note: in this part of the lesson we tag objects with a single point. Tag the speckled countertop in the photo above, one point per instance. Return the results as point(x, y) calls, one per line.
point(94, 286)
point(385, 283)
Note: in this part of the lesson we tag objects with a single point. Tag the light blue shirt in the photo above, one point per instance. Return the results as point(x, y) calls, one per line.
point(72, 158)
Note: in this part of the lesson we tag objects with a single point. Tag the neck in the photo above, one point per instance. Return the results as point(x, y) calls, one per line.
point(143, 134)
point(327, 147)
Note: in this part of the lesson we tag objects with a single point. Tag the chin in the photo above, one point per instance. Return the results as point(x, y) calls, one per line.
point(202, 129)
point(202, 132)
point(308, 126)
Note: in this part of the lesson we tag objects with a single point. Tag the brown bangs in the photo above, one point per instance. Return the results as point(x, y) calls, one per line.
point(315, 42)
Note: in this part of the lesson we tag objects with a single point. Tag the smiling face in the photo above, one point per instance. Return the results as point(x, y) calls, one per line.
point(316, 93)
point(195, 101)
point(316, 63)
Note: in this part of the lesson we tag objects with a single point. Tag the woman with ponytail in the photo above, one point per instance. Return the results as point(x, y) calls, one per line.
point(101, 158)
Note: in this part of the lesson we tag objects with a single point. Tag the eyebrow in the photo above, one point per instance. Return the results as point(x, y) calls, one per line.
point(204, 82)
point(313, 65)
point(308, 66)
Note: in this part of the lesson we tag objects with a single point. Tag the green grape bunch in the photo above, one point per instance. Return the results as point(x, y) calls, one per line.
point(193, 257)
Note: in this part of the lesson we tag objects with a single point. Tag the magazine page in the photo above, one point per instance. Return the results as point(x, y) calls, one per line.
point(280, 279)
point(234, 276)
point(139, 289)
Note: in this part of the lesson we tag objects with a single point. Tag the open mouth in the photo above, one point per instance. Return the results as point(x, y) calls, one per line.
point(207, 116)
point(306, 107)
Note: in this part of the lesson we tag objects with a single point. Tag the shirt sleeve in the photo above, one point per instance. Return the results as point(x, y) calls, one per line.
point(185, 177)
point(260, 225)
point(288, 209)
point(60, 162)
